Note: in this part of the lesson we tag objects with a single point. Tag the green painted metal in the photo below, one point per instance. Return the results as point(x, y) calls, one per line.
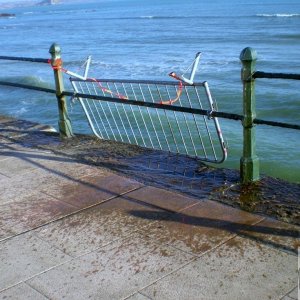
point(249, 164)
point(64, 123)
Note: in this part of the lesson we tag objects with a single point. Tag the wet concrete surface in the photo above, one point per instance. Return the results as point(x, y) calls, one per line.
point(89, 219)
point(270, 196)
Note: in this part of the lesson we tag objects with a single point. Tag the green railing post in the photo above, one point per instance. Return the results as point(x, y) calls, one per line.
point(249, 166)
point(64, 123)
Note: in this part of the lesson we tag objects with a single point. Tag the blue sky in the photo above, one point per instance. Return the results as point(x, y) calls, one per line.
point(15, 1)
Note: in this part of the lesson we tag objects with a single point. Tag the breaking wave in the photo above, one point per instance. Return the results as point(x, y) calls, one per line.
point(278, 15)
point(29, 80)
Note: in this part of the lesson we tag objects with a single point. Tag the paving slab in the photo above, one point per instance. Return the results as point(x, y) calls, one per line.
point(295, 293)
point(5, 231)
point(239, 269)
point(92, 189)
point(138, 296)
point(163, 199)
point(77, 231)
point(199, 228)
point(96, 227)
point(22, 186)
point(72, 170)
point(112, 272)
point(287, 298)
point(25, 256)
point(11, 191)
point(6, 144)
point(52, 163)
point(13, 166)
point(65, 167)
point(16, 150)
point(3, 157)
point(21, 292)
point(2, 177)
point(33, 211)
point(38, 180)
point(276, 234)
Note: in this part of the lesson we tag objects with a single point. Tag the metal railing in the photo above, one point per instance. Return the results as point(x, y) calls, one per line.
point(249, 166)
point(249, 161)
point(145, 116)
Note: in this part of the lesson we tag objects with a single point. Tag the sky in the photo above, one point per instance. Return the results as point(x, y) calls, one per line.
point(12, 1)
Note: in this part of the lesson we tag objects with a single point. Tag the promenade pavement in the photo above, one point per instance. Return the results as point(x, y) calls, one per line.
point(74, 231)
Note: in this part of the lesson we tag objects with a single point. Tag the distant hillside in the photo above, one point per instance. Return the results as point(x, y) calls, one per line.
point(6, 15)
point(49, 2)
point(24, 3)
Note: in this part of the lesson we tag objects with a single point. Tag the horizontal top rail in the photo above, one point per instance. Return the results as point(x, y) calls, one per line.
point(276, 124)
point(224, 115)
point(158, 106)
point(29, 59)
point(259, 74)
point(28, 87)
point(174, 83)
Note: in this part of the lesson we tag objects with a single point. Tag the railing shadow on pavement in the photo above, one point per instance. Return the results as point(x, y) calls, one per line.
point(262, 234)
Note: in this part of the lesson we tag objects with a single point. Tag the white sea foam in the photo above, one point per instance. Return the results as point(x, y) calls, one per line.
point(278, 15)
point(21, 111)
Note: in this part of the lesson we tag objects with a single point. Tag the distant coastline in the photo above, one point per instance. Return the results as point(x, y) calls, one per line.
point(6, 15)
point(49, 2)
point(28, 3)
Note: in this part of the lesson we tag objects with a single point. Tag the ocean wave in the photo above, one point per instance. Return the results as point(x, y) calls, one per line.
point(29, 80)
point(161, 17)
point(21, 111)
point(289, 36)
point(278, 15)
point(65, 12)
point(151, 17)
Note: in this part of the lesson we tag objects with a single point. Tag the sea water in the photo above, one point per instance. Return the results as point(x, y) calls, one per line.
point(133, 39)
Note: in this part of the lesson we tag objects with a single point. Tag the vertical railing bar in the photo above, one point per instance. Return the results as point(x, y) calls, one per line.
point(175, 115)
point(188, 128)
point(209, 133)
point(107, 118)
point(160, 122)
point(206, 126)
point(64, 122)
point(117, 126)
point(125, 111)
point(174, 138)
point(146, 127)
point(136, 122)
point(149, 114)
point(216, 121)
point(249, 163)
point(91, 111)
point(171, 129)
point(95, 105)
point(114, 121)
point(196, 123)
point(121, 116)
point(101, 107)
point(81, 101)
point(121, 119)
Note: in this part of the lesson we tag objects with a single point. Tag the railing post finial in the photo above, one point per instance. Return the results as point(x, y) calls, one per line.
point(64, 123)
point(55, 51)
point(249, 164)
